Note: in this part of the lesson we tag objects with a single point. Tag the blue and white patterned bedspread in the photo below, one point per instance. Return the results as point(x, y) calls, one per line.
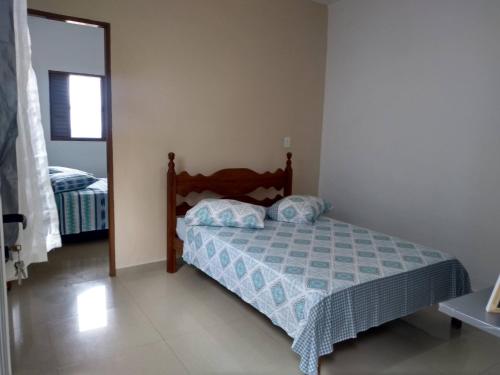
point(326, 282)
point(83, 210)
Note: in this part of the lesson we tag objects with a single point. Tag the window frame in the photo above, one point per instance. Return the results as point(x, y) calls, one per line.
point(104, 109)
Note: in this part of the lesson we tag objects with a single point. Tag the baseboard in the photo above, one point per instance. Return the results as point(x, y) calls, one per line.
point(162, 260)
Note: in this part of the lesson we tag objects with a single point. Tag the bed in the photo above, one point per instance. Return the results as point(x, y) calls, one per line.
point(321, 283)
point(85, 210)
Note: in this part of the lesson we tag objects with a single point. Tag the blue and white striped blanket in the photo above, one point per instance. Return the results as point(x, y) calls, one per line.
point(326, 282)
point(83, 210)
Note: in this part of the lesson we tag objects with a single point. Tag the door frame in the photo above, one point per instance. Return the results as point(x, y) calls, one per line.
point(5, 363)
point(109, 133)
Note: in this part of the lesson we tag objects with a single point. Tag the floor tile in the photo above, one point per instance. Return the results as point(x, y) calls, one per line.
point(176, 316)
point(472, 353)
point(70, 318)
point(412, 366)
point(250, 345)
point(34, 305)
point(379, 349)
point(150, 359)
point(493, 370)
point(31, 351)
point(100, 332)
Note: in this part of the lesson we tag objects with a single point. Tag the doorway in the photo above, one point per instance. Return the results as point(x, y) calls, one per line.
point(72, 142)
point(75, 101)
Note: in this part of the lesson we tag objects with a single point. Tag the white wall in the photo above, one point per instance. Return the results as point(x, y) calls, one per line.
point(411, 135)
point(76, 49)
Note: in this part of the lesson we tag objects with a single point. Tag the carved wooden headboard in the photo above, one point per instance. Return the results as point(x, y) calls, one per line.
point(231, 183)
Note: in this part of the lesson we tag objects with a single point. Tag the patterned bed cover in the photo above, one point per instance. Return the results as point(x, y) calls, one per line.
point(83, 210)
point(326, 282)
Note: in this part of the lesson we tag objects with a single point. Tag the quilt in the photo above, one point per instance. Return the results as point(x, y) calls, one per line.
point(323, 283)
point(83, 210)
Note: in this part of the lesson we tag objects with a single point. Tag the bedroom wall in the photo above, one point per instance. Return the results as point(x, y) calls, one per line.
point(220, 83)
point(411, 136)
point(71, 48)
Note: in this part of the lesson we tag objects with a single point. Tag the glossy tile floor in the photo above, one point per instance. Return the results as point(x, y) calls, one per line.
point(70, 318)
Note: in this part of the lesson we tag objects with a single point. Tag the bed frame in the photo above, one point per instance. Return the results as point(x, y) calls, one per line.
point(232, 183)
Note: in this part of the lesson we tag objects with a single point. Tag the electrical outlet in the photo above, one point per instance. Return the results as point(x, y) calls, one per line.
point(287, 142)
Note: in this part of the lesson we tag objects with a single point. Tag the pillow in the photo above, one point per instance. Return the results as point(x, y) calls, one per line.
point(226, 213)
point(55, 169)
point(70, 179)
point(299, 209)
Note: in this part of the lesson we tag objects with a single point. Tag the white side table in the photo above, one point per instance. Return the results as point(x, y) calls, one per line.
point(471, 309)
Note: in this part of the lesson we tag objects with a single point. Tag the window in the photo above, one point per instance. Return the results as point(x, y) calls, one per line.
point(77, 107)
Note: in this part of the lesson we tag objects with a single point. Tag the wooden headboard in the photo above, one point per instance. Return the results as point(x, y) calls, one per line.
point(231, 183)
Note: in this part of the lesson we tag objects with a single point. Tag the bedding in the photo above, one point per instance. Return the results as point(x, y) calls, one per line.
point(58, 169)
point(323, 283)
point(226, 213)
point(83, 210)
point(67, 179)
point(299, 209)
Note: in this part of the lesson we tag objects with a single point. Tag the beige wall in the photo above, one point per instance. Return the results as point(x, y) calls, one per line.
point(219, 82)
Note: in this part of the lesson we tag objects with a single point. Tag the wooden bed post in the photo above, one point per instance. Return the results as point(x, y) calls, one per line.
point(289, 175)
point(171, 214)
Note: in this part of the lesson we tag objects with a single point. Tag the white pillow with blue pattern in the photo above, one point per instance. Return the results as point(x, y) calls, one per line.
point(226, 213)
point(57, 169)
point(68, 179)
point(298, 209)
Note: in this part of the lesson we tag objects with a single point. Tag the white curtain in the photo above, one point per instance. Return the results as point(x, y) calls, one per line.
point(36, 199)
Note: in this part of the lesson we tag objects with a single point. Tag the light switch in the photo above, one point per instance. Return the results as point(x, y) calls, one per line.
point(287, 142)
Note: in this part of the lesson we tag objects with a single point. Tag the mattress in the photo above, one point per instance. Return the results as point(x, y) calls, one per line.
point(326, 282)
point(83, 210)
